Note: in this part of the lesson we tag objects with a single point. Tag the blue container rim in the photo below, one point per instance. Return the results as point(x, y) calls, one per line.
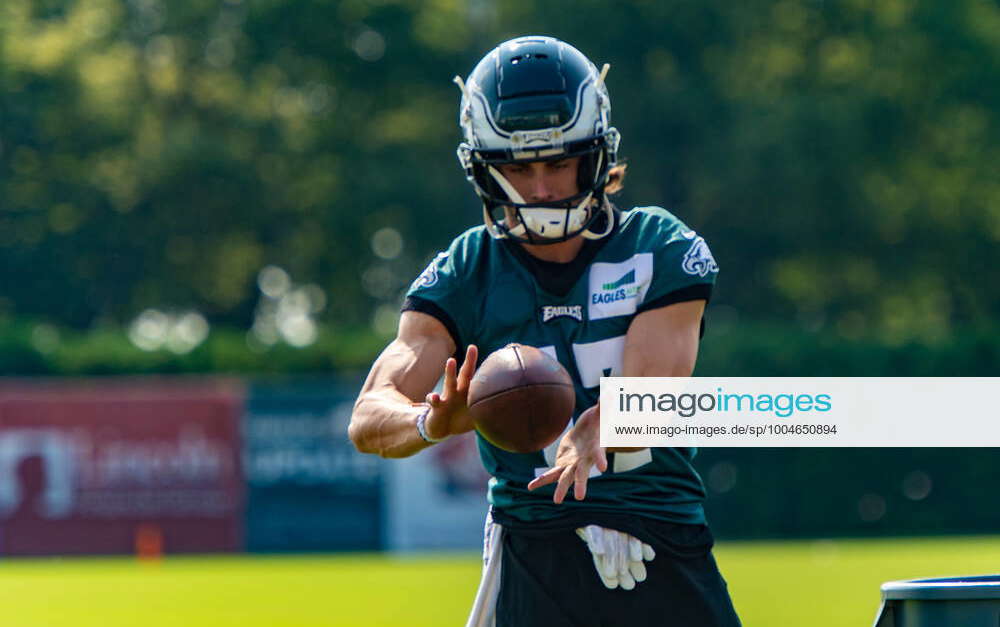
point(944, 588)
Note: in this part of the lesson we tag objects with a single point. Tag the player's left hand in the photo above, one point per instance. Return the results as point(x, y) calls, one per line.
point(579, 451)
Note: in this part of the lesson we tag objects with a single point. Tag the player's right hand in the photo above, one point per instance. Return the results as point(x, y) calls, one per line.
point(449, 409)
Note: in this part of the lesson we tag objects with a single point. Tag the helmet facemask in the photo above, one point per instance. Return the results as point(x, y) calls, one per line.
point(508, 216)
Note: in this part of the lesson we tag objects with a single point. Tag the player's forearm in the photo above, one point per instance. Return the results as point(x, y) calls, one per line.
point(385, 426)
point(662, 343)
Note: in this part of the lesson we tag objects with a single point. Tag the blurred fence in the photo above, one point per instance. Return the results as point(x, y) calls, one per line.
point(307, 487)
point(104, 467)
point(189, 465)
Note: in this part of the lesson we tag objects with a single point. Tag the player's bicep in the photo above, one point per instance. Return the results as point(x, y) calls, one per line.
point(412, 363)
point(663, 342)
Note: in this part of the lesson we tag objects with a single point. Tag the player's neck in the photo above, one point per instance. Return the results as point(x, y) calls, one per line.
point(561, 252)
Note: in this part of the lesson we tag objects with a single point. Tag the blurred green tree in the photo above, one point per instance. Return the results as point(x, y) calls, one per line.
point(160, 154)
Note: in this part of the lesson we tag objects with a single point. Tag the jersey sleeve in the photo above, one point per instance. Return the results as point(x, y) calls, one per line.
point(442, 291)
point(683, 266)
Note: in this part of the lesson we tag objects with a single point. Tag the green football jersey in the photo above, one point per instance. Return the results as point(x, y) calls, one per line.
point(491, 292)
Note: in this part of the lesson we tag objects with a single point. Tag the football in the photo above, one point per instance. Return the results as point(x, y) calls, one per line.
point(521, 399)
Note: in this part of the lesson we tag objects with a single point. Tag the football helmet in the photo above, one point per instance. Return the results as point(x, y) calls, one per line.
point(537, 99)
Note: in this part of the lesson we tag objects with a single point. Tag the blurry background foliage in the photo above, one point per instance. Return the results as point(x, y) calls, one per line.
point(252, 184)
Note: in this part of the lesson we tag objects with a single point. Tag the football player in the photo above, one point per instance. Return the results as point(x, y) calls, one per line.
point(608, 293)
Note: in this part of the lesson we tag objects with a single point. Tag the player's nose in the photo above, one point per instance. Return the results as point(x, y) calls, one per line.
point(541, 189)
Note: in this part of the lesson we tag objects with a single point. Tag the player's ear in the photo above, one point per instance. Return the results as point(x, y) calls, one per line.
point(616, 179)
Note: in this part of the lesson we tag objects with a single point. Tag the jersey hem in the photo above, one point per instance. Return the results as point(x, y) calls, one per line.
point(629, 522)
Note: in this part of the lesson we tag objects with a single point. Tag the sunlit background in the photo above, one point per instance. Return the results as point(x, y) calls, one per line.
point(237, 194)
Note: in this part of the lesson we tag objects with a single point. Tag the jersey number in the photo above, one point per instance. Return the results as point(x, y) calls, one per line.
point(593, 361)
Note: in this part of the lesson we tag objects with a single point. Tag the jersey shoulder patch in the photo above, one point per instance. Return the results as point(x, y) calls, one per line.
point(453, 264)
point(698, 260)
point(429, 277)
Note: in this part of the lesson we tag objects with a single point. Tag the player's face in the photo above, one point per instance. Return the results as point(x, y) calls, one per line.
point(543, 181)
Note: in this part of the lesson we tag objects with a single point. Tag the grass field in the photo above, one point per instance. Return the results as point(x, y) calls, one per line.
point(816, 583)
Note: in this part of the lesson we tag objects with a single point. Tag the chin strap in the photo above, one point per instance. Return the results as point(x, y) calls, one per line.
point(491, 228)
point(609, 212)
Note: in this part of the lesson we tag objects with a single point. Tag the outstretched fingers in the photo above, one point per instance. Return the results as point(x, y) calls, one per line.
point(563, 477)
point(565, 481)
point(549, 476)
point(602, 459)
point(450, 379)
point(580, 481)
point(468, 367)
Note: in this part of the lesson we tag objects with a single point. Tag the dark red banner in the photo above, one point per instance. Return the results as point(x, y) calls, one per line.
point(120, 466)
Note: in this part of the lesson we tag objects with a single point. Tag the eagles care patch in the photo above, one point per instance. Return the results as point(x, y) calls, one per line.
point(616, 289)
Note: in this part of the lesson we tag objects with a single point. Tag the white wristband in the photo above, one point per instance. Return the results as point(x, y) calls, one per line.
point(422, 428)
